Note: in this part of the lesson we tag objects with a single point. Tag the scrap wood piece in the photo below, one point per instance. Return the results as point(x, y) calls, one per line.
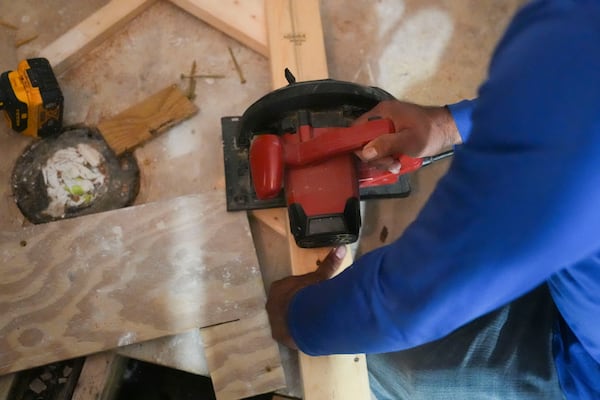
point(147, 119)
point(80, 286)
point(70, 48)
point(296, 41)
point(242, 357)
point(242, 20)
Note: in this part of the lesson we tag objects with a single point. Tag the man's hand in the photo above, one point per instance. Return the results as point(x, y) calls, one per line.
point(420, 131)
point(283, 291)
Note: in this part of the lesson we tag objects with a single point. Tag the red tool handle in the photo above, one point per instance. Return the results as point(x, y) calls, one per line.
point(317, 144)
point(269, 153)
point(369, 175)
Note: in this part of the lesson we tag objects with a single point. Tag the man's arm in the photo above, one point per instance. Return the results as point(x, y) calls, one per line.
point(518, 204)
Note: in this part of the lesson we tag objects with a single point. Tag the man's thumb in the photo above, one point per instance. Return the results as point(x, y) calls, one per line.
point(331, 263)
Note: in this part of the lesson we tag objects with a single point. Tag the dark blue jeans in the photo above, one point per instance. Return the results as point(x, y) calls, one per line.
point(506, 354)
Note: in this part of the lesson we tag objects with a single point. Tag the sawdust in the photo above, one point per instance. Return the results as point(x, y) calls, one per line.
point(127, 338)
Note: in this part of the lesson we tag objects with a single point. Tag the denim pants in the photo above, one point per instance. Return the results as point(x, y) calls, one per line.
point(506, 354)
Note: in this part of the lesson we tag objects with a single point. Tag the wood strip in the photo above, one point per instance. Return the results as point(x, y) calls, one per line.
point(92, 283)
point(147, 119)
point(296, 41)
point(71, 47)
point(99, 377)
point(295, 37)
point(6, 383)
point(242, 20)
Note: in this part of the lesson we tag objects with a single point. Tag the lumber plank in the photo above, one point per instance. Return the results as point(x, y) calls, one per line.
point(295, 36)
point(6, 383)
point(99, 377)
point(274, 218)
point(146, 119)
point(71, 47)
point(242, 20)
point(80, 286)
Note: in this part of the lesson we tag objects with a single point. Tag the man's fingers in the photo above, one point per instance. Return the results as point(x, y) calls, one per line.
point(331, 263)
point(384, 146)
point(379, 111)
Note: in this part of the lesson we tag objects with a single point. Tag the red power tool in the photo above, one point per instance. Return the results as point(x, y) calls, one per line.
point(299, 141)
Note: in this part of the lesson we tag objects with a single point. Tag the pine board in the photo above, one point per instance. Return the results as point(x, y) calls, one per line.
point(6, 382)
point(80, 286)
point(99, 378)
point(296, 41)
point(295, 37)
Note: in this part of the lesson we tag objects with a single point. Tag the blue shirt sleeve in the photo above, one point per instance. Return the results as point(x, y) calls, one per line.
point(462, 112)
point(519, 202)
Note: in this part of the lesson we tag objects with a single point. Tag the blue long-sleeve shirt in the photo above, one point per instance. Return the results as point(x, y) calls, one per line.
point(519, 206)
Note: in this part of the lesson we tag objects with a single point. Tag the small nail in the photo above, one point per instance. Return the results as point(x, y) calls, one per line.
point(340, 252)
point(369, 153)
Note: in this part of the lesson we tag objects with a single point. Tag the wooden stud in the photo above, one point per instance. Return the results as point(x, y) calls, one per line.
point(71, 47)
point(296, 41)
point(99, 377)
point(242, 20)
point(6, 383)
point(274, 218)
